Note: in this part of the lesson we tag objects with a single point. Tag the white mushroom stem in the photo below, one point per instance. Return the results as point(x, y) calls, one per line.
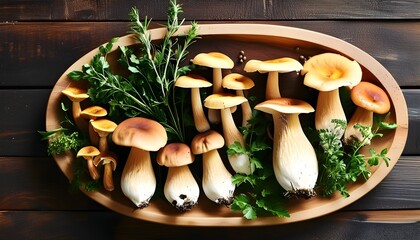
point(294, 160)
point(217, 180)
point(138, 181)
point(108, 181)
point(214, 115)
point(181, 189)
point(329, 108)
point(360, 116)
point(239, 162)
point(246, 110)
point(200, 120)
point(272, 89)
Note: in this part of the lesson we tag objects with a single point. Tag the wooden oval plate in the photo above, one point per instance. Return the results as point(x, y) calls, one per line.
point(262, 42)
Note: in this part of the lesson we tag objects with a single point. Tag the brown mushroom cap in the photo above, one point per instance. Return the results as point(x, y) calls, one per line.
point(76, 91)
point(213, 60)
point(281, 65)
point(223, 100)
point(284, 105)
point(103, 126)
point(192, 81)
point(236, 81)
point(94, 112)
point(370, 97)
point(175, 155)
point(88, 151)
point(107, 158)
point(140, 133)
point(329, 71)
point(206, 142)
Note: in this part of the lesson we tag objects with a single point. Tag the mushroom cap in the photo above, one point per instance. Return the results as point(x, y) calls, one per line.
point(213, 60)
point(281, 65)
point(103, 126)
point(106, 158)
point(88, 151)
point(207, 141)
point(329, 71)
point(93, 112)
point(192, 81)
point(284, 105)
point(370, 97)
point(236, 81)
point(142, 133)
point(76, 91)
point(223, 100)
point(175, 155)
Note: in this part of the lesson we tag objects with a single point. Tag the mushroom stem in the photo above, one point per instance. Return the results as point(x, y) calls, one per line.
point(246, 110)
point(217, 180)
point(214, 115)
point(138, 180)
point(200, 120)
point(93, 171)
point(81, 123)
point(103, 143)
point(239, 162)
point(93, 136)
point(329, 108)
point(181, 189)
point(360, 116)
point(108, 181)
point(272, 89)
point(294, 160)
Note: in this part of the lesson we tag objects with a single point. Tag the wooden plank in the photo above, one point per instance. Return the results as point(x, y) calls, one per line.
point(36, 54)
point(23, 114)
point(38, 183)
point(87, 10)
point(385, 225)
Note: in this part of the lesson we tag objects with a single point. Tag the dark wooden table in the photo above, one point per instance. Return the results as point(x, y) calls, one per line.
point(40, 39)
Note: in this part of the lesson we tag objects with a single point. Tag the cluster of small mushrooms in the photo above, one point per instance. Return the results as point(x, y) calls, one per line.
point(294, 159)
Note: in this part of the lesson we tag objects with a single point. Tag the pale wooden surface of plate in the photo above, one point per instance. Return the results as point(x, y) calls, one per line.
point(292, 40)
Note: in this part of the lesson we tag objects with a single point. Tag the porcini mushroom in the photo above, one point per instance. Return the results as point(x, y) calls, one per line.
point(239, 83)
point(180, 189)
point(88, 153)
point(195, 82)
point(328, 72)
point(369, 99)
point(103, 127)
point(294, 159)
point(273, 68)
point(92, 113)
point(217, 61)
point(217, 180)
point(138, 180)
point(109, 161)
point(77, 92)
point(223, 102)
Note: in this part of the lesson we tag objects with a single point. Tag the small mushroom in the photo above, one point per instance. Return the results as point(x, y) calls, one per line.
point(369, 99)
point(223, 102)
point(273, 68)
point(103, 127)
point(217, 61)
point(195, 82)
point(294, 159)
point(92, 113)
point(109, 161)
point(239, 82)
point(77, 93)
point(180, 189)
point(88, 153)
point(328, 72)
point(217, 180)
point(138, 180)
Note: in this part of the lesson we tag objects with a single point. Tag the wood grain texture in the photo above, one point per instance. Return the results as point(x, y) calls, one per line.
point(89, 10)
point(108, 225)
point(36, 54)
point(40, 184)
